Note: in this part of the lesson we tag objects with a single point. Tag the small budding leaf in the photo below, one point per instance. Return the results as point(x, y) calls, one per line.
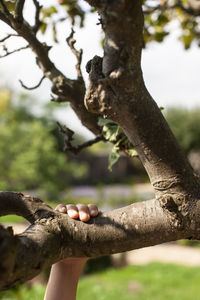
point(132, 152)
point(114, 134)
point(102, 121)
point(113, 157)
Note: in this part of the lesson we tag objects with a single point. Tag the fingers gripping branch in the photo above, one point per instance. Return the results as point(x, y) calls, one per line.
point(55, 236)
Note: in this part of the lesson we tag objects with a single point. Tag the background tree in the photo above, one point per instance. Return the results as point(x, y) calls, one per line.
point(34, 161)
point(117, 92)
point(184, 125)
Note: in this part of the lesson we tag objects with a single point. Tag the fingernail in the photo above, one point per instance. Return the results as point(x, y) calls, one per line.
point(84, 216)
point(93, 212)
point(72, 213)
point(62, 209)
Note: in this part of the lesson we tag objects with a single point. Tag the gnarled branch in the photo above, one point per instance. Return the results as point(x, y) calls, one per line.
point(54, 236)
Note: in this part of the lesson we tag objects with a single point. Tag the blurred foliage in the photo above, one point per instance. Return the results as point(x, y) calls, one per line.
point(67, 10)
point(157, 16)
point(185, 125)
point(159, 13)
point(24, 292)
point(97, 265)
point(29, 154)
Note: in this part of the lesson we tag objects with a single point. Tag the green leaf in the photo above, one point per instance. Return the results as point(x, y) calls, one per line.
point(43, 28)
point(132, 152)
point(110, 132)
point(113, 157)
point(102, 121)
point(54, 33)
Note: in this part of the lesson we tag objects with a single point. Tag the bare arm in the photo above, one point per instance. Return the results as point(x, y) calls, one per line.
point(64, 276)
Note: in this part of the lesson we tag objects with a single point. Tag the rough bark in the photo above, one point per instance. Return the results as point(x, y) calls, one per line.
point(53, 236)
point(117, 91)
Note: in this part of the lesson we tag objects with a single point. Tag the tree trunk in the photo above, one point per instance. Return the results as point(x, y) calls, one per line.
point(116, 90)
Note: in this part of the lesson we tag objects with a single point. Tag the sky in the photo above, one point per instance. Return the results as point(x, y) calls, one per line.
point(172, 75)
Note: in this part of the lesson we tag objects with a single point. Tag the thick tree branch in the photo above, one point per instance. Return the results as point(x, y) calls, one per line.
point(54, 236)
point(118, 92)
point(28, 207)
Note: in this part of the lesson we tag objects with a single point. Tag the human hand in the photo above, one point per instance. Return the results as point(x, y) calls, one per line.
point(65, 274)
point(82, 212)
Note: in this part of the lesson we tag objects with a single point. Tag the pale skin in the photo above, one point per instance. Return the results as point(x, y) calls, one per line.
point(64, 276)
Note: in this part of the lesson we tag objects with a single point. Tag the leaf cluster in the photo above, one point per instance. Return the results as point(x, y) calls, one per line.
point(113, 133)
point(158, 15)
point(185, 125)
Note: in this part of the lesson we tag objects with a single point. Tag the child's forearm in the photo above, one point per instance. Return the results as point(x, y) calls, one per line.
point(63, 281)
point(65, 274)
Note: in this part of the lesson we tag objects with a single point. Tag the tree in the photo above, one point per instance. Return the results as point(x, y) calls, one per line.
point(116, 91)
point(40, 166)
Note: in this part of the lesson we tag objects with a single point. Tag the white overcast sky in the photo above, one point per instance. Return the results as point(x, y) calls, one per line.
point(172, 75)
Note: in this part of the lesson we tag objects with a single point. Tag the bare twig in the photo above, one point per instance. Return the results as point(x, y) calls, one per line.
point(33, 87)
point(71, 41)
point(14, 51)
point(89, 143)
point(19, 10)
point(37, 16)
point(68, 138)
point(7, 37)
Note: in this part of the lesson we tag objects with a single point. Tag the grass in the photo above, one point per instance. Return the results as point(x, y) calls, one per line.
point(11, 219)
point(152, 282)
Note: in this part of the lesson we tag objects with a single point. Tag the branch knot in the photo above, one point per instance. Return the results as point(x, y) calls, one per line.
point(98, 94)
